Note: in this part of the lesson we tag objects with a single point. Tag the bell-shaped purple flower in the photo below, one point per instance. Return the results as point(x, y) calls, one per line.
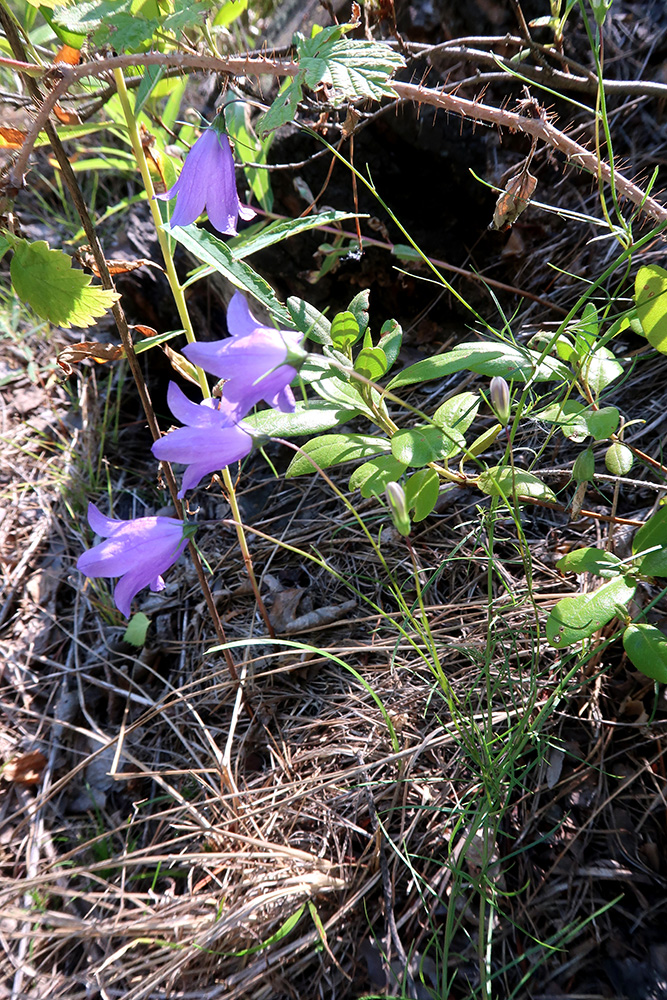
point(211, 439)
point(137, 551)
point(207, 181)
point(257, 362)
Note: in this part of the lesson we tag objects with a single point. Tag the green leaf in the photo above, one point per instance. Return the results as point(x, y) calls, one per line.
point(151, 78)
point(569, 416)
point(351, 68)
point(577, 421)
point(418, 446)
point(344, 330)
point(483, 441)
point(484, 358)
point(308, 418)
point(278, 231)
point(138, 626)
point(583, 469)
point(217, 255)
point(513, 483)
point(333, 386)
point(372, 477)
point(334, 449)
point(646, 647)
point(654, 532)
point(45, 279)
point(371, 362)
point(602, 423)
point(126, 31)
point(249, 149)
point(577, 618)
point(355, 68)
point(458, 412)
point(309, 320)
point(421, 493)
point(359, 308)
point(651, 301)
point(618, 459)
point(391, 336)
point(600, 369)
point(590, 560)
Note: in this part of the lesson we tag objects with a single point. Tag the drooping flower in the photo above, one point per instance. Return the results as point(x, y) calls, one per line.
point(137, 551)
point(207, 181)
point(211, 439)
point(258, 362)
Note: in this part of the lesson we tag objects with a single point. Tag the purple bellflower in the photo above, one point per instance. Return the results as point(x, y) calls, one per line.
point(137, 551)
point(207, 181)
point(257, 362)
point(211, 439)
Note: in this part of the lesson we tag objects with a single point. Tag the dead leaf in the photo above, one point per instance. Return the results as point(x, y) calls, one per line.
point(514, 199)
point(86, 258)
point(87, 350)
point(26, 769)
point(66, 54)
point(320, 616)
point(11, 138)
point(154, 158)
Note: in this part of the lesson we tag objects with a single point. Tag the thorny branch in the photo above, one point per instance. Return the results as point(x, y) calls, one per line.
point(540, 128)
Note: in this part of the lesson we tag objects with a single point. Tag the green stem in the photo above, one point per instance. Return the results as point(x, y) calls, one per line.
point(184, 315)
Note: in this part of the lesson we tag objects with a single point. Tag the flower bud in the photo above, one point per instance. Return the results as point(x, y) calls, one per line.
point(398, 506)
point(500, 398)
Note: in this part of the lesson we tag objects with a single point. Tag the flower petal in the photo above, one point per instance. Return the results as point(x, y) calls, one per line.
point(101, 525)
point(204, 449)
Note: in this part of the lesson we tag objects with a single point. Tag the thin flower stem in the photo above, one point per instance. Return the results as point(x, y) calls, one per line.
point(184, 315)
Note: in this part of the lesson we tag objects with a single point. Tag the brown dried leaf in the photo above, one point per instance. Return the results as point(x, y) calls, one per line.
point(86, 258)
point(86, 350)
point(26, 769)
point(514, 200)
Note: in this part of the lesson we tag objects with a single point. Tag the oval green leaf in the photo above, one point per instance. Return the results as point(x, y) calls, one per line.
point(418, 446)
point(618, 459)
point(646, 647)
point(577, 618)
point(334, 449)
point(514, 483)
point(372, 477)
point(590, 560)
point(421, 493)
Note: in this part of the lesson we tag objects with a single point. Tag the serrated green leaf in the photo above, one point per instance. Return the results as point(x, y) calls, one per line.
point(646, 647)
point(308, 418)
point(279, 231)
point(344, 330)
point(352, 68)
point(212, 251)
point(126, 31)
point(421, 493)
point(309, 320)
point(138, 626)
point(334, 449)
point(417, 446)
point(651, 301)
point(484, 358)
point(654, 532)
point(577, 618)
point(372, 477)
point(590, 560)
point(45, 279)
point(618, 459)
point(513, 483)
point(284, 107)
point(458, 412)
point(355, 68)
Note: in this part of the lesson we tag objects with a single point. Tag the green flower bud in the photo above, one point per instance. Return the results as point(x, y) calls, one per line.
point(398, 506)
point(500, 398)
